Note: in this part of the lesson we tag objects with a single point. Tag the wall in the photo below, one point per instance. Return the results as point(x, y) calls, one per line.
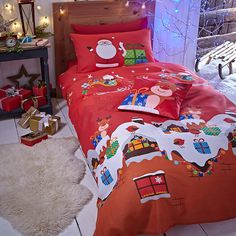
point(176, 29)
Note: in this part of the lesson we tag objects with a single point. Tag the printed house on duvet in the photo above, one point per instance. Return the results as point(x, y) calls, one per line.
point(152, 186)
point(138, 146)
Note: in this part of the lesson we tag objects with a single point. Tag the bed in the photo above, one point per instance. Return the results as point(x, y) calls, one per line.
point(159, 140)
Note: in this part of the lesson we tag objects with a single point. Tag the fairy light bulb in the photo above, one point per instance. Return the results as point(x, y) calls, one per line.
point(45, 20)
point(8, 7)
point(127, 4)
point(19, 34)
point(15, 26)
point(61, 11)
point(39, 7)
point(143, 5)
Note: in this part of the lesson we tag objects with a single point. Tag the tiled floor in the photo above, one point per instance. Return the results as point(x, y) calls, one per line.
point(10, 133)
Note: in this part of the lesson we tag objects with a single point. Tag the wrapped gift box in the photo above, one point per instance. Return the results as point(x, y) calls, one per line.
point(24, 122)
point(32, 138)
point(111, 150)
point(44, 122)
point(10, 97)
point(106, 176)
point(136, 98)
point(202, 146)
point(135, 56)
point(33, 102)
point(41, 89)
point(213, 131)
point(96, 139)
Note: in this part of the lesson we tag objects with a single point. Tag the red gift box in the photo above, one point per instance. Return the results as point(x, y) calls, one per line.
point(10, 98)
point(33, 138)
point(33, 102)
point(41, 89)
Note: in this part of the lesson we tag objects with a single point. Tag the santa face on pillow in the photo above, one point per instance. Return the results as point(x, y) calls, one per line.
point(107, 54)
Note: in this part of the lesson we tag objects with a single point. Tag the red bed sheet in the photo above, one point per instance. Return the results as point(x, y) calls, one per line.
point(153, 172)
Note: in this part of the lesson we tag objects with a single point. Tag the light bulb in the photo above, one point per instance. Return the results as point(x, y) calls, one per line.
point(39, 7)
point(127, 4)
point(61, 11)
point(8, 7)
point(143, 5)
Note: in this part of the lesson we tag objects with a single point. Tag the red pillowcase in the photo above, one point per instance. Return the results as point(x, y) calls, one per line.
point(99, 51)
point(111, 28)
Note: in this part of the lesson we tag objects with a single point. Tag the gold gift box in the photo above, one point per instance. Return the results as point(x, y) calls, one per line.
point(24, 122)
point(49, 124)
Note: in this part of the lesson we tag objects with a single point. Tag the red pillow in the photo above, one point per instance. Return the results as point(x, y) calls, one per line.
point(160, 97)
point(99, 51)
point(111, 28)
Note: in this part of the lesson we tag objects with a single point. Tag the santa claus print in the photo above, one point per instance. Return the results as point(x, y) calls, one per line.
point(106, 54)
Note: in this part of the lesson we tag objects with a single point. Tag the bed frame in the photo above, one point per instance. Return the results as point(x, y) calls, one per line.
point(90, 13)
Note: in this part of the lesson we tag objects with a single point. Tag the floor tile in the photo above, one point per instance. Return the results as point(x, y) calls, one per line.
point(64, 109)
point(71, 230)
point(221, 228)
point(6, 229)
point(64, 131)
point(186, 230)
point(87, 217)
point(8, 132)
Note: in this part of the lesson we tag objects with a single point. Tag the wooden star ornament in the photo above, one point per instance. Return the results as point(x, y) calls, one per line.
point(23, 72)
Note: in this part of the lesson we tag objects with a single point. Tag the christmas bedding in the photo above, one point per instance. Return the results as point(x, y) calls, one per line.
point(154, 169)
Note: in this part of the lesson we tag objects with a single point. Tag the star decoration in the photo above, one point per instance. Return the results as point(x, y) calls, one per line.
point(158, 180)
point(23, 72)
point(90, 76)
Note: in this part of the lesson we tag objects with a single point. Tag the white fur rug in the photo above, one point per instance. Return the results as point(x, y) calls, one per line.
point(39, 186)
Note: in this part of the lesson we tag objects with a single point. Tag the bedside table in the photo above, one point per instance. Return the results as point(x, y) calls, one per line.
point(29, 53)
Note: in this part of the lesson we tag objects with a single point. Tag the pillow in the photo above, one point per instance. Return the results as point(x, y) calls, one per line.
point(99, 51)
point(111, 28)
point(162, 98)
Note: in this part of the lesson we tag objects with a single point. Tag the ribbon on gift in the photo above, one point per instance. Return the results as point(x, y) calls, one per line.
point(1, 102)
point(10, 92)
point(26, 116)
point(26, 39)
point(136, 92)
point(44, 122)
point(34, 99)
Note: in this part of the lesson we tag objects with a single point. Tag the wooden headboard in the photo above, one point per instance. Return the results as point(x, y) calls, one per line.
point(90, 13)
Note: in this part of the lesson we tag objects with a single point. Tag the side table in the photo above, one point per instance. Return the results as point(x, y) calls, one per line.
point(29, 53)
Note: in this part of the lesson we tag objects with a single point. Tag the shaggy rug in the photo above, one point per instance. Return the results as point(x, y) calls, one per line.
point(40, 190)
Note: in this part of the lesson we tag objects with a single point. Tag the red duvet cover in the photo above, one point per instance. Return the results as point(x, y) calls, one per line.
point(154, 172)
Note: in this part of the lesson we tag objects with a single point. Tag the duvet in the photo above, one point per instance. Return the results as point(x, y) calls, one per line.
point(152, 171)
